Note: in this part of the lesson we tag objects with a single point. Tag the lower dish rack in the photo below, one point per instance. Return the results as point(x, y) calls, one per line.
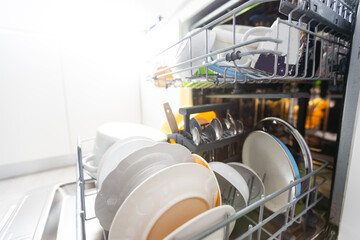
point(257, 219)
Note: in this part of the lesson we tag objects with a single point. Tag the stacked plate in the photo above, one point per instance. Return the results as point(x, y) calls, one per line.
point(109, 133)
point(151, 190)
point(267, 167)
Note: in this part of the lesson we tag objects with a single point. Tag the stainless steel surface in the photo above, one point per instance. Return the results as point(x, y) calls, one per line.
point(215, 122)
point(231, 125)
point(210, 133)
point(62, 214)
point(27, 218)
point(347, 126)
point(196, 131)
point(171, 118)
point(60, 220)
point(239, 127)
point(48, 213)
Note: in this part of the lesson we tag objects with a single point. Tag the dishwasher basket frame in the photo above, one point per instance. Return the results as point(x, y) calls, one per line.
point(311, 197)
point(325, 28)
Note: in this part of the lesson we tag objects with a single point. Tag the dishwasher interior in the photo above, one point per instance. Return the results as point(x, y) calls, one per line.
point(302, 79)
point(285, 72)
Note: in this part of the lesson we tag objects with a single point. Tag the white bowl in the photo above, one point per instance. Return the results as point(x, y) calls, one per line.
point(164, 202)
point(130, 172)
point(108, 133)
point(251, 178)
point(229, 179)
point(117, 152)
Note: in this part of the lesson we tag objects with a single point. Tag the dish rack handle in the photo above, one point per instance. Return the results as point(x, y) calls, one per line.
point(204, 108)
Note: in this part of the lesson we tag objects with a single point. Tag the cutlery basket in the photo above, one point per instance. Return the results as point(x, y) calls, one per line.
point(208, 146)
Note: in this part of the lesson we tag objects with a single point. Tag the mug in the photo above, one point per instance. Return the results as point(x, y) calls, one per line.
point(224, 38)
point(290, 53)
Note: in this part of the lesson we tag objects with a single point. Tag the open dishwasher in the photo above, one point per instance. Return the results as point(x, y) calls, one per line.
point(289, 68)
point(301, 51)
point(309, 55)
point(269, 81)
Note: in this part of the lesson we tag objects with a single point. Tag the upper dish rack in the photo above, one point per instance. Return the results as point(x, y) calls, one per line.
point(311, 44)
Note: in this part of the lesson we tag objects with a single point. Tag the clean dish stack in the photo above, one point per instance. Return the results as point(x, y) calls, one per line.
point(150, 189)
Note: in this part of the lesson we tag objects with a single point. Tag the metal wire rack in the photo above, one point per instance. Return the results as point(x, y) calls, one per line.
point(316, 35)
point(81, 184)
point(308, 199)
point(311, 197)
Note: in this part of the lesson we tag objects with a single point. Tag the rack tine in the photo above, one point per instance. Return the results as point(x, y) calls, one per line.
point(251, 188)
point(233, 196)
point(227, 228)
point(261, 217)
point(250, 228)
point(105, 235)
point(264, 177)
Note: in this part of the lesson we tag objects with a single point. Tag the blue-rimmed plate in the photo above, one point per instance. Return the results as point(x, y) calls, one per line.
point(269, 159)
point(293, 163)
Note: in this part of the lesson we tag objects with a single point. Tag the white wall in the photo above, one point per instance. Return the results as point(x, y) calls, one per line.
point(33, 121)
point(66, 67)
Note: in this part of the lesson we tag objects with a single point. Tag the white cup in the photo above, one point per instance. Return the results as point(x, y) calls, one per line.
point(197, 50)
point(277, 31)
point(109, 133)
point(224, 38)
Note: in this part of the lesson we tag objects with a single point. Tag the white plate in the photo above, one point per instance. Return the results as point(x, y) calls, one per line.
point(117, 152)
point(230, 181)
point(131, 172)
point(202, 222)
point(202, 161)
point(165, 201)
point(295, 168)
point(249, 175)
point(265, 155)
